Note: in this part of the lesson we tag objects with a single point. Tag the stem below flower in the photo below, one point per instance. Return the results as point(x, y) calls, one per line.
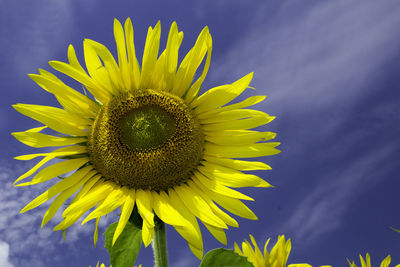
point(160, 245)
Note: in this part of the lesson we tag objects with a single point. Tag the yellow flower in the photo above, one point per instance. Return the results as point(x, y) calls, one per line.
point(367, 262)
point(276, 257)
point(103, 265)
point(145, 137)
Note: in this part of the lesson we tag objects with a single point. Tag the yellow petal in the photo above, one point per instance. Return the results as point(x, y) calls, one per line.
point(236, 114)
point(217, 211)
point(114, 200)
point(241, 165)
point(34, 169)
point(55, 170)
point(84, 98)
point(73, 60)
point(198, 206)
point(96, 224)
point(257, 251)
point(69, 220)
point(86, 188)
point(386, 261)
point(238, 124)
point(144, 202)
point(243, 104)
point(96, 194)
point(134, 68)
point(43, 140)
point(110, 65)
point(171, 55)
point(193, 92)
point(150, 54)
point(61, 186)
point(217, 187)
point(266, 253)
point(363, 264)
point(165, 210)
point(368, 263)
point(147, 233)
point(62, 197)
point(237, 249)
point(251, 151)
point(98, 72)
point(96, 231)
point(126, 211)
point(57, 119)
point(122, 57)
point(55, 205)
point(231, 177)
point(92, 85)
point(197, 252)
point(218, 233)
point(232, 205)
point(248, 251)
point(36, 129)
point(69, 98)
point(64, 151)
point(220, 96)
point(158, 76)
point(191, 230)
point(238, 137)
point(190, 63)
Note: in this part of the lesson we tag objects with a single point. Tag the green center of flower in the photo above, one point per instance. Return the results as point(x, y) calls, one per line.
point(146, 127)
point(146, 139)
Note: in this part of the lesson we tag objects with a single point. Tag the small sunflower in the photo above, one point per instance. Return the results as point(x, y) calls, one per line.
point(276, 257)
point(144, 138)
point(99, 265)
point(367, 262)
point(103, 265)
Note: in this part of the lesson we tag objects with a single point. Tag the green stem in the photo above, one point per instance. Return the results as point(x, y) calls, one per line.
point(160, 245)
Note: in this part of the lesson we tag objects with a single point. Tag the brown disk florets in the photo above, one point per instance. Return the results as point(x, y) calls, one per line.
point(146, 139)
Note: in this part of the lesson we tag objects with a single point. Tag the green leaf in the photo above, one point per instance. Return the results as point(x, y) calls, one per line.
point(126, 248)
point(221, 257)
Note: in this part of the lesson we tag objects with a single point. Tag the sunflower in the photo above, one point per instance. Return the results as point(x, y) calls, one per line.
point(103, 265)
point(143, 138)
point(276, 257)
point(367, 262)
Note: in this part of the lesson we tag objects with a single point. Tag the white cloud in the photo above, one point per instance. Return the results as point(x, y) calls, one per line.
point(4, 251)
point(312, 56)
point(185, 259)
point(36, 34)
point(16, 229)
point(29, 244)
point(315, 61)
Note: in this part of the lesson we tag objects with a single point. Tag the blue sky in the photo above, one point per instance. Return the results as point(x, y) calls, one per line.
point(330, 70)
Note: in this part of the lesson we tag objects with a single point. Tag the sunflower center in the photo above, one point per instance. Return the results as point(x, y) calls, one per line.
point(146, 127)
point(146, 139)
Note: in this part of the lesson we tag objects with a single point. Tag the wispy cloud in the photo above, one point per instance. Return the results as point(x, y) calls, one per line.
point(4, 252)
point(325, 51)
point(315, 61)
point(185, 259)
point(30, 245)
point(42, 30)
point(323, 209)
point(17, 230)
